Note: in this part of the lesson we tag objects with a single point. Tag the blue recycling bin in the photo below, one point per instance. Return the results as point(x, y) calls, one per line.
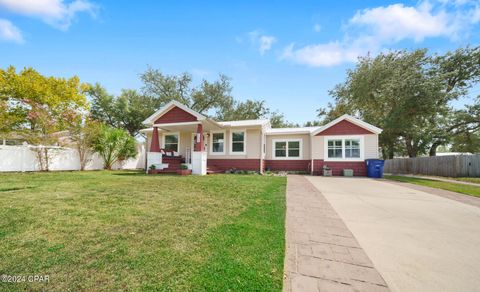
point(374, 168)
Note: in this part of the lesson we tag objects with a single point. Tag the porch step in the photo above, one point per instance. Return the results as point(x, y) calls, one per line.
point(174, 164)
point(166, 170)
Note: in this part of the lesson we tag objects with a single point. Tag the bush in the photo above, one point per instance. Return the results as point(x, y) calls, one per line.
point(184, 166)
point(114, 145)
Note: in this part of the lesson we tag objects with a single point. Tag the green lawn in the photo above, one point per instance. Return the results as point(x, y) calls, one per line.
point(468, 179)
point(129, 231)
point(454, 187)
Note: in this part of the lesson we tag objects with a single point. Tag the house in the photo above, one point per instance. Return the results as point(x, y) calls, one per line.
point(178, 134)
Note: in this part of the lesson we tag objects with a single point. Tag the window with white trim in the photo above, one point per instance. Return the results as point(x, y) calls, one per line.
point(171, 142)
point(348, 148)
point(218, 142)
point(335, 148)
point(352, 148)
point(287, 148)
point(238, 142)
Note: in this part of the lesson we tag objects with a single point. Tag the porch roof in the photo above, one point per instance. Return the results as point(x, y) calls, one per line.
point(208, 125)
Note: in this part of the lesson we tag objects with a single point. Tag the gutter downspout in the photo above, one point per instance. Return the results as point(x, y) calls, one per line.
point(262, 139)
point(311, 154)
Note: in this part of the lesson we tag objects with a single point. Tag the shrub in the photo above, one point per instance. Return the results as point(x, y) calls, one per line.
point(114, 145)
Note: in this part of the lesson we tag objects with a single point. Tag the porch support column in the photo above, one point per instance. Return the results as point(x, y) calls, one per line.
point(154, 156)
point(199, 145)
point(199, 155)
point(155, 144)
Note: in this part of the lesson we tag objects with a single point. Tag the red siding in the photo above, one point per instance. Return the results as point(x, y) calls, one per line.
point(359, 168)
point(240, 164)
point(288, 165)
point(175, 115)
point(344, 128)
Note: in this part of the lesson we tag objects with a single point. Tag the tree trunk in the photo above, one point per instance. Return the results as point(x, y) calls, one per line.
point(45, 150)
point(411, 149)
point(390, 152)
point(433, 148)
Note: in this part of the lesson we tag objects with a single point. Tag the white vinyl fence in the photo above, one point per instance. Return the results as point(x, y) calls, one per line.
point(24, 158)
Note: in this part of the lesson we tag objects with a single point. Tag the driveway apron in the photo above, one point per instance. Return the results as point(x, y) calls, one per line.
point(416, 240)
point(322, 254)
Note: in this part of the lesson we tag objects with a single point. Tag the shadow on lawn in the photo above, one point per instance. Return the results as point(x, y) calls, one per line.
point(130, 173)
point(16, 188)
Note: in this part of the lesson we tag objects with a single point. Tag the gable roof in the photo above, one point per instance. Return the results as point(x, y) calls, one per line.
point(151, 119)
point(352, 120)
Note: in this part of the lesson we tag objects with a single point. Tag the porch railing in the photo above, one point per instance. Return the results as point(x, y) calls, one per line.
point(188, 155)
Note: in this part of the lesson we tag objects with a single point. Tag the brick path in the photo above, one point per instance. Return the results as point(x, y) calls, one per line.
point(322, 254)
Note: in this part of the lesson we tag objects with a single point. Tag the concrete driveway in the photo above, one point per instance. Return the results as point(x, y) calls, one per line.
point(417, 241)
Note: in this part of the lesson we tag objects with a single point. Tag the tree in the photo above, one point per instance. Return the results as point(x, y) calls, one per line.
point(246, 110)
point(114, 145)
point(277, 120)
point(83, 132)
point(211, 99)
point(205, 98)
point(408, 94)
point(466, 142)
point(126, 111)
point(313, 124)
point(38, 107)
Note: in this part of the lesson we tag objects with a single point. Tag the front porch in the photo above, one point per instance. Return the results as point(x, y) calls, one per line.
point(178, 137)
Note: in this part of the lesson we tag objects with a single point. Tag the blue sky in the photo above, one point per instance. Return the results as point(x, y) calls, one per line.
point(289, 53)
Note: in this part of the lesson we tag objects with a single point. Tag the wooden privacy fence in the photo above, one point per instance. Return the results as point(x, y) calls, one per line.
point(450, 166)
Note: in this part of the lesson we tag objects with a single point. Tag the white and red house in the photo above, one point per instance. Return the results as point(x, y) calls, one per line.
point(178, 134)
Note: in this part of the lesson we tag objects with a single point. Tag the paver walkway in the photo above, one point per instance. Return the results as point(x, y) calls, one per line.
point(322, 254)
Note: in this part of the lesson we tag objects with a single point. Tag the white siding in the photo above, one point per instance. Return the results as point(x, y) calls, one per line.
point(306, 155)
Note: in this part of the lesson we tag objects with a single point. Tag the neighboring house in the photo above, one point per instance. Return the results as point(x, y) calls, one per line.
point(182, 135)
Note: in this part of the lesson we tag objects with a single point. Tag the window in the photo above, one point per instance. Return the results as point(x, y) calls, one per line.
point(352, 148)
point(281, 149)
point(171, 142)
point(335, 149)
point(294, 149)
point(343, 148)
point(238, 142)
point(287, 149)
point(218, 142)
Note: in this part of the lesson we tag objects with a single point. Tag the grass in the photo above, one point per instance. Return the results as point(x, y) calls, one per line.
point(468, 179)
point(129, 231)
point(454, 187)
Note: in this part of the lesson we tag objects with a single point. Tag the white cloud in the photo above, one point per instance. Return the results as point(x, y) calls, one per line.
point(9, 32)
point(317, 27)
point(323, 55)
point(475, 15)
point(371, 30)
point(264, 42)
point(398, 22)
point(56, 13)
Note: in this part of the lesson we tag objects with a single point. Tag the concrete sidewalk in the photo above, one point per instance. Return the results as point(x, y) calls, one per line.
point(322, 254)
